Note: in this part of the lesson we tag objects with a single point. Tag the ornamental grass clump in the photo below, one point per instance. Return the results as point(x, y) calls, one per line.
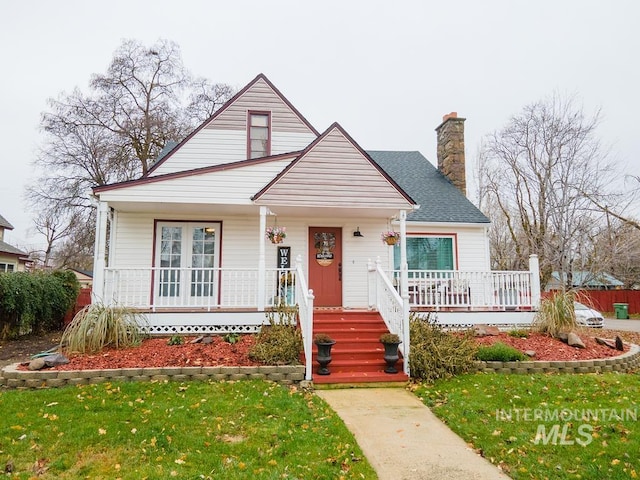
point(556, 314)
point(98, 326)
point(436, 353)
point(280, 341)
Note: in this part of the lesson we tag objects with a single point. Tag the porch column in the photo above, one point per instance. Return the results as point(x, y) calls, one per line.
point(404, 290)
point(262, 259)
point(100, 252)
point(534, 269)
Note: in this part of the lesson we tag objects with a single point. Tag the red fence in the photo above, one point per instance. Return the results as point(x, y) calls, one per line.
point(603, 300)
point(84, 299)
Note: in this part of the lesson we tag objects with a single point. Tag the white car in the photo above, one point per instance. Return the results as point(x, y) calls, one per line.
point(587, 316)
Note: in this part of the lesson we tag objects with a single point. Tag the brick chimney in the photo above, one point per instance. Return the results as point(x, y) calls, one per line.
point(451, 150)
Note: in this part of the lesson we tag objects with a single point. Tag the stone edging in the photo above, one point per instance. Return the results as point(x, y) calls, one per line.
point(11, 377)
point(622, 363)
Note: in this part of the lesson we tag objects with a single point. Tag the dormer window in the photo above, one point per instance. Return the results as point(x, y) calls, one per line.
point(259, 135)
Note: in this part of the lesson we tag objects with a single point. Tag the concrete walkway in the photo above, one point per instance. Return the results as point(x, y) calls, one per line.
point(403, 439)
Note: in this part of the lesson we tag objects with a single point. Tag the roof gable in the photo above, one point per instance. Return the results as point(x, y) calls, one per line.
point(334, 171)
point(258, 95)
point(439, 199)
point(4, 223)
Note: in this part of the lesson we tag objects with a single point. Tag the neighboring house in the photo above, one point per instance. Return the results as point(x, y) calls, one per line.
point(85, 277)
point(187, 241)
point(584, 279)
point(12, 259)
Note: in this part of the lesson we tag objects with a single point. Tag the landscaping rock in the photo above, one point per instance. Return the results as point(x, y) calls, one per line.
point(563, 337)
point(530, 353)
point(55, 360)
point(197, 339)
point(485, 330)
point(573, 340)
point(606, 342)
point(207, 340)
point(619, 344)
point(37, 364)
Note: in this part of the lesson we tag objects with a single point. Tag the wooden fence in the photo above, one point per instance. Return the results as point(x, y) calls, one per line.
point(84, 299)
point(603, 300)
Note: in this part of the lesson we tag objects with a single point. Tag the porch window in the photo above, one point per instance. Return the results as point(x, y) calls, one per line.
point(187, 257)
point(259, 135)
point(427, 253)
point(7, 267)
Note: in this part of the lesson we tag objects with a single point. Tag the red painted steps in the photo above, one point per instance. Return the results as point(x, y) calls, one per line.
point(357, 356)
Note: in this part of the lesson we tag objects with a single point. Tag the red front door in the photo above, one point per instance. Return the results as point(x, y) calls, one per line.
point(325, 265)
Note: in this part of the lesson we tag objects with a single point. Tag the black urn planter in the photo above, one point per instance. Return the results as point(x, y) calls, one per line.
point(324, 356)
point(391, 356)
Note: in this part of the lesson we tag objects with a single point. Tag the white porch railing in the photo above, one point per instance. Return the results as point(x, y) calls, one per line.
point(197, 288)
point(305, 313)
point(384, 297)
point(446, 289)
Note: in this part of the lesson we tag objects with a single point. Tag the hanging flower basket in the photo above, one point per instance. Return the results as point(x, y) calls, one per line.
point(390, 237)
point(276, 234)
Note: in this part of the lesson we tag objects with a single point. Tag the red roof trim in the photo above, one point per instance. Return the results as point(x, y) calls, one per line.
point(193, 172)
point(229, 102)
point(332, 127)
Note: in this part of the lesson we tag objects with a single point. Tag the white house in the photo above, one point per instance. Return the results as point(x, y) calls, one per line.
point(187, 241)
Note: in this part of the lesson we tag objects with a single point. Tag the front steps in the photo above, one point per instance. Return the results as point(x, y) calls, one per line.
point(357, 356)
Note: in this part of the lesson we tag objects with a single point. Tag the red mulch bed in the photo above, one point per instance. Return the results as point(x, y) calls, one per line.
point(548, 348)
point(156, 352)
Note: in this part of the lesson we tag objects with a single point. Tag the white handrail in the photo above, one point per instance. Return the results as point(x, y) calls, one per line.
point(305, 312)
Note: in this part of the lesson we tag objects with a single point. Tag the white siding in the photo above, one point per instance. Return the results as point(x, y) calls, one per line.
point(240, 237)
point(234, 186)
point(211, 147)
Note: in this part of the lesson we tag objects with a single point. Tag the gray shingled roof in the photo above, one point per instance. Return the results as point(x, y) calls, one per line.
point(4, 223)
point(6, 248)
point(439, 199)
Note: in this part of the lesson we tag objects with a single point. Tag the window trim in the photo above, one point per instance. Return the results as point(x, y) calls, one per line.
point(268, 115)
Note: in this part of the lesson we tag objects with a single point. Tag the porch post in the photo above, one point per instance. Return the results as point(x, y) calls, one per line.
point(99, 252)
point(534, 269)
point(404, 290)
point(262, 259)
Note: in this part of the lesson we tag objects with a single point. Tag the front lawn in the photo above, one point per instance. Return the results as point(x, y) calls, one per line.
point(196, 430)
point(545, 426)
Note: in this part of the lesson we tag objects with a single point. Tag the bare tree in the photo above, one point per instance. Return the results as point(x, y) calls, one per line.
point(536, 173)
point(114, 132)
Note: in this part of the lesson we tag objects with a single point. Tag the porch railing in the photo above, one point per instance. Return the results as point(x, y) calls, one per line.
point(384, 297)
point(199, 288)
point(305, 313)
point(446, 289)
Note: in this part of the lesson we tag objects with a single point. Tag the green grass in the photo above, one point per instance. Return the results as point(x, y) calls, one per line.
point(477, 407)
point(196, 430)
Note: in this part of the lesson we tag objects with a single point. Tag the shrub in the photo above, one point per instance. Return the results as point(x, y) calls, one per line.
point(499, 352)
point(279, 342)
point(35, 301)
point(519, 333)
point(389, 338)
point(436, 353)
point(322, 338)
point(175, 340)
point(231, 338)
point(556, 314)
point(97, 326)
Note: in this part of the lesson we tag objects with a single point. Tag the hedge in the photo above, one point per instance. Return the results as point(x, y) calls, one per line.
point(35, 301)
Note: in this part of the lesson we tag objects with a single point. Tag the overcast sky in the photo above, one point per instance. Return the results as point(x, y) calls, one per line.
point(386, 71)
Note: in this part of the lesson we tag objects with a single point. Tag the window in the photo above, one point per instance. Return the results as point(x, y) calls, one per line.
point(187, 254)
point(427, 253)
point(7, 267)
point(259, 138)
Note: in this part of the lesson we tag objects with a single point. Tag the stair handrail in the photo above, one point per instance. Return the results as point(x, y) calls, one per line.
point(305, 297)
point(393, 309)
